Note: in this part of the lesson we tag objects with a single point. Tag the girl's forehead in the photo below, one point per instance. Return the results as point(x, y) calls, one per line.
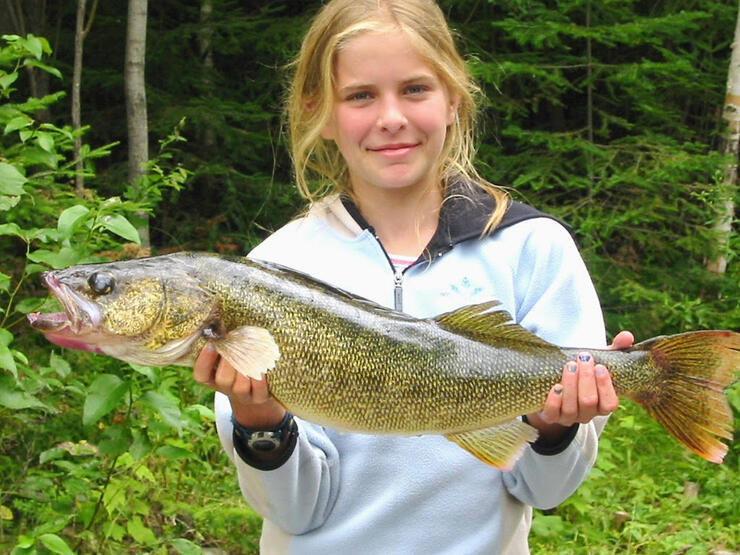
point(381, 51)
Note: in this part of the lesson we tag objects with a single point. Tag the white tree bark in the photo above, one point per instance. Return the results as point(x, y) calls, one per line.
point(136, 112)
point(76, 84)
point(731, 143)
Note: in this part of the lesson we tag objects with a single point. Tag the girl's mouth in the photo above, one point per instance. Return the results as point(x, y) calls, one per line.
point(395, 150)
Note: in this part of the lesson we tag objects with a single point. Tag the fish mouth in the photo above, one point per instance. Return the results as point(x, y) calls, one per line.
point(73, 327)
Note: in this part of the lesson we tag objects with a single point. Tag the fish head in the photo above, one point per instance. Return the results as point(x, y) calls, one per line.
point(147, 311)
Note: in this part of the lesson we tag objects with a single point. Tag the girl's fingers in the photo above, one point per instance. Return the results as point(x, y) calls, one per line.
point(260, 391)
point(622, 340)
point(569, 402)
point(551, 412)
point(608, 400)
point(203, 369)
point(588, 394)
point(225, 376)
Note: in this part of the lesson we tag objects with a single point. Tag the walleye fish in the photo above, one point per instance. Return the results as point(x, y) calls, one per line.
point(344, 362)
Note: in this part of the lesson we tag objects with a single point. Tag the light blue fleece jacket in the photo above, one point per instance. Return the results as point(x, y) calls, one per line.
point(361, 494)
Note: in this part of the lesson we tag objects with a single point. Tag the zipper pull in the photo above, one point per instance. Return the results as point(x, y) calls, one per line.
point(398, 290)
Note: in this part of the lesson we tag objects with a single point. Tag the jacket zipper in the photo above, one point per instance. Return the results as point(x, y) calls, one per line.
point(397, 276)
point(397, 288)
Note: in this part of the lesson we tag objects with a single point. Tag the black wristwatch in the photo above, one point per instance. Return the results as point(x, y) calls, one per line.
point(266, 449)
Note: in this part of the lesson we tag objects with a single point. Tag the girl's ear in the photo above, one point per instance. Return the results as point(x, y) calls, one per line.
point(452, 109)
point(327, 132)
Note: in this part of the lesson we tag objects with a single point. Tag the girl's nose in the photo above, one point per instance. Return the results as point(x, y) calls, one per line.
point(391, 117)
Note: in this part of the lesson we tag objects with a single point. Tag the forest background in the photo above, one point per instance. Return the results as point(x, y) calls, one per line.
point(608, 114)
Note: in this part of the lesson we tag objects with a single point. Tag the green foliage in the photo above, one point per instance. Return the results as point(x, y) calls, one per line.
point(646, 495)
point(83, 450)
point(604, 113)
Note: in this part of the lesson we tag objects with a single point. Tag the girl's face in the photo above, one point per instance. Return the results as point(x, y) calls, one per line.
point(391, 114)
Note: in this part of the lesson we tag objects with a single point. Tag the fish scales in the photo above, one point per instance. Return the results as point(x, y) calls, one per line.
point(345, 362)
point(376, 370)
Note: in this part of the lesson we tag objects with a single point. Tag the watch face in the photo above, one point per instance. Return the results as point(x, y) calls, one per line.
point(264, 441)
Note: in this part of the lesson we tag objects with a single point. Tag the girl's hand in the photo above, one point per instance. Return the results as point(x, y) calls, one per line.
point(586, 391)
point(251, 402)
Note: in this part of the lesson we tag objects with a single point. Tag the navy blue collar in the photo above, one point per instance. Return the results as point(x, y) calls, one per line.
point(464, 215)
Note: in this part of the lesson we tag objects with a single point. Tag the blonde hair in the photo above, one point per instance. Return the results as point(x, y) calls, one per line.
point(309, 105)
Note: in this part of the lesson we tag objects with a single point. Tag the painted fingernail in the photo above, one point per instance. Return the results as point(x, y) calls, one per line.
point(584, 357)
point(600, 371)
point(572, 367)
point(558, 389)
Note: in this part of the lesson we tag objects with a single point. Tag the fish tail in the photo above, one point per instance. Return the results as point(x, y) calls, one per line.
point(687, 397)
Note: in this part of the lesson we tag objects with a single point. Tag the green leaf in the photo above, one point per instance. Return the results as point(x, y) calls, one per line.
point(66, 256)
point(18, 122)
point(148, 371)
point(25, 541)
point(47, 68)
point(140, 532)
point(8, 79)
point(103, 396)
point(70, 218)
point(33, 45)
point(55, 544)
point(4, 282)
point(122, 227)
point(10, 229)
point(29, 305)
point(172, 453)
point(11, 180)
point(6, 203)
point(141, 445)
point(59, 365)
point(186, 547)
point(167, 408)
point(7, 361)
point(5, 513)
point(37, 156)
point(45, 141)
point(17, 400)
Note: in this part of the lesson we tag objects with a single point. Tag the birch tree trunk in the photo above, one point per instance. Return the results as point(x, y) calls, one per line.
point(731, 143)
point(76, 85)
point(136, 113)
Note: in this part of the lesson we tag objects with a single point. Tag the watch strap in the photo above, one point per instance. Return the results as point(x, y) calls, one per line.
point(266, 449)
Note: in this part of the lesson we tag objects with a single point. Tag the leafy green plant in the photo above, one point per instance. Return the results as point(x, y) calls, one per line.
point(85, 439)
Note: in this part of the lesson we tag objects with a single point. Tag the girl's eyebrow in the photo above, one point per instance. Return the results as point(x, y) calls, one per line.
point(415, 78)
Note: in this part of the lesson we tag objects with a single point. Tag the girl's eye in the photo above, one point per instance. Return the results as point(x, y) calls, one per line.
point(362, 95)
point(416, 89)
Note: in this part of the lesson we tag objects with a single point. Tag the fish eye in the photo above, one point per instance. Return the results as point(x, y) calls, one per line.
point(101, 283)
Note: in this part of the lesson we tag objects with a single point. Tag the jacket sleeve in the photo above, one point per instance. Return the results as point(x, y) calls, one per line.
point(557, 301)
point(297, 496)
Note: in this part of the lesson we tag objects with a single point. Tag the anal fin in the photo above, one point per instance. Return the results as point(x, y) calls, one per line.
point(500, 445)
point(252, 351)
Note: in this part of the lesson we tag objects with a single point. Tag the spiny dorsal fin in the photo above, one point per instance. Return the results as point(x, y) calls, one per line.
point(480, 322)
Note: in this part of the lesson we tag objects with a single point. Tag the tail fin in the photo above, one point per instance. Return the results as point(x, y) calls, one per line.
point(688, 399)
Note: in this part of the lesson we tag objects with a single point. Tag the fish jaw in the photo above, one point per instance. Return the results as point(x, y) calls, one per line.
point(77, 327)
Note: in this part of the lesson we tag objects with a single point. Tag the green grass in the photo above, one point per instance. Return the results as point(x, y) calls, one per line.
point(178, 493)
point(642, 497)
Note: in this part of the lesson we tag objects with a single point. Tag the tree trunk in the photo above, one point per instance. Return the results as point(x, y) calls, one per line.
point(731, 143)
point(81, 31)
point(205, 39)
point(136, 113)
point(76, 82)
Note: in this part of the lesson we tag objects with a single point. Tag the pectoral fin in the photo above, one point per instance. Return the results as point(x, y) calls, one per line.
point(251, 350)
point(499, 445)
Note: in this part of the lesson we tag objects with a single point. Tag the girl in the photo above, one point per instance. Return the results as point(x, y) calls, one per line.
point(381, 112)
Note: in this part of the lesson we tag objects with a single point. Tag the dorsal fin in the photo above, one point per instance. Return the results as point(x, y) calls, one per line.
point(483, 323)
